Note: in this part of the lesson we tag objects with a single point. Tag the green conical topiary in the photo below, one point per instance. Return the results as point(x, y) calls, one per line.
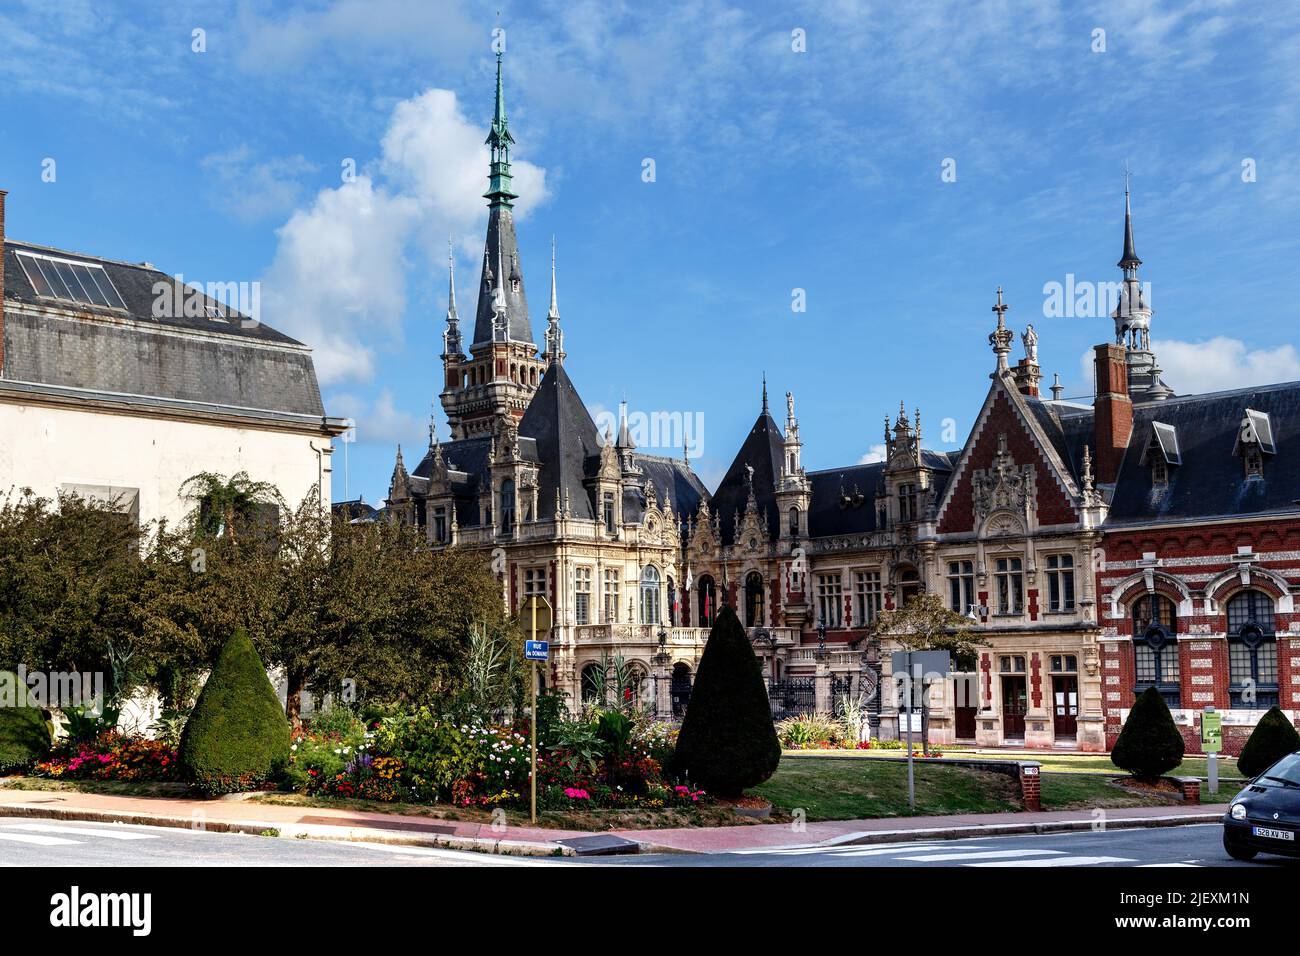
point(1272, 739)
point(727, 741)
point(238, 736)
point(1150, 744)
point(24, 733)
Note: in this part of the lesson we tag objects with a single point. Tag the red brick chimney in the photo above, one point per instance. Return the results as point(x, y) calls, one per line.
point(2, 281)
point(1112, 411)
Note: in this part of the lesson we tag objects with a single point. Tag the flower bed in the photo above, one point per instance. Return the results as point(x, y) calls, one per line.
point(111, 756)
point(608, 760)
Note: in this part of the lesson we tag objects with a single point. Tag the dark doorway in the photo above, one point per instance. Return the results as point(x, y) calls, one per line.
point(1065, 706)
point(1014, 704)
point(965, 704)
point(680, 689)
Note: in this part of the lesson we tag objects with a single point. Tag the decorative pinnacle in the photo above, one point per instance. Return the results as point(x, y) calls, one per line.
point(1129, 261)
point(765, 393)
point(1057, 387)
point(555, 308)
point(1000, 338)
point(451, 283)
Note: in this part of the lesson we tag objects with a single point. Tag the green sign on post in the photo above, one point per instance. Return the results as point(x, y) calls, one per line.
point(1211, 731)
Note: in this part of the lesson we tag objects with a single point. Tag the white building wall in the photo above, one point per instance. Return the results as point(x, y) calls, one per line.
point(47, 448)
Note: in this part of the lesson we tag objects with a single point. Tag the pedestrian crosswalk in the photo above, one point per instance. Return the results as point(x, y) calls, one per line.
point(981, 854)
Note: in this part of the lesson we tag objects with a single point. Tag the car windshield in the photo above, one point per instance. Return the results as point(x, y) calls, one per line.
point(1286, 770)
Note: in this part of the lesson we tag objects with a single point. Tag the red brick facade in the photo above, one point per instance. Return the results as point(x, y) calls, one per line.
point(1054, 506)
point(1200, 569)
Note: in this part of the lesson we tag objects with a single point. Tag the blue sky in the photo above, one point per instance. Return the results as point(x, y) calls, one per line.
point(775, 170)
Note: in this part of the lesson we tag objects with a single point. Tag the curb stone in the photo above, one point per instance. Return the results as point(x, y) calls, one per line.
point(293, 831)
point(927, 834)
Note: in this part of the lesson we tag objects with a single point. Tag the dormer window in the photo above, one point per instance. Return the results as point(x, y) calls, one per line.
point(1254, 441)
point(1162, 452)
point(1254, 459)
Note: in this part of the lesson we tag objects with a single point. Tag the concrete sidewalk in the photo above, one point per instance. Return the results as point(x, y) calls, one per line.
point(328, 823)
point(913, 829)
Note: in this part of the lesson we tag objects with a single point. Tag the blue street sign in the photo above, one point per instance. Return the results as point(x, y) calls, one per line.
point(536, 650)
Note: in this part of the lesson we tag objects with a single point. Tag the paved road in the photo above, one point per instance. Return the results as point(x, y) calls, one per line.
point(25, 842)
point(1189, 846)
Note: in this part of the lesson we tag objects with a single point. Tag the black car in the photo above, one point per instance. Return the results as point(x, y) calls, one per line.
point(1265, 817)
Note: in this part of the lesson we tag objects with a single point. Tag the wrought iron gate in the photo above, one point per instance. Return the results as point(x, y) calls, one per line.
point(795, 695)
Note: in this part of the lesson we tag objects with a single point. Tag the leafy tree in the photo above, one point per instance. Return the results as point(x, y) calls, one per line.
point(69, 585)
point(237, 737)
point(1149, 744)
point(24, 732)
point(925, 623)
point(727, 741)
point(1272, 739)
point(228, 505)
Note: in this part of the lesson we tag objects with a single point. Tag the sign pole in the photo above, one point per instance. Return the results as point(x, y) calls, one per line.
point(532, 674)
point(911, 779)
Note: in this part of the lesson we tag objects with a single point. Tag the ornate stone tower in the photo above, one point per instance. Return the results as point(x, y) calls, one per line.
point(1132, 317)
point(793, 490)
point(493, 386)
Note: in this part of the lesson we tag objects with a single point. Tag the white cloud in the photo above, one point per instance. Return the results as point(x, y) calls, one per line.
point(1222, 363)
point(1214, 365)
point(338, 280)
point(380, 422)
point(874, 454)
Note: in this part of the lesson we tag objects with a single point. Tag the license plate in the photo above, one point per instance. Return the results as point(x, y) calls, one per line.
point(1272, 834)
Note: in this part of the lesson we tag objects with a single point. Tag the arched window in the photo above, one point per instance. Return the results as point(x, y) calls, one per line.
point(672, 603)
point(794, 521)
point(593, 683)
point(753, 599)
point(1155, 647)
point(708, 600)
point(650, 595)
point(1252, 650)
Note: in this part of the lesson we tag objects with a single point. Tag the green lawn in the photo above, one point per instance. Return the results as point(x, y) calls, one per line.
point(1229, 778)
point(863, 789)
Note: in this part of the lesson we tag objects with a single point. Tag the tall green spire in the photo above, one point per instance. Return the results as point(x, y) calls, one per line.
point(500, 140)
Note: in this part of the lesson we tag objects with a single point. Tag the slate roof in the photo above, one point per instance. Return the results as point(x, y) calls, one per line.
point(762, 450)
point(1067, 427)
point(558, 434)
point(131, 353)
point(501, 238)
point(568, 444)
point(1211, 480)
point(672, 476)
point(827, 518)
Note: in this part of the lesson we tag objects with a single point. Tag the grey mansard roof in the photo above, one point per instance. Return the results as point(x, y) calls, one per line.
point(133, 356)
point(1211, 482)
point(557, 434)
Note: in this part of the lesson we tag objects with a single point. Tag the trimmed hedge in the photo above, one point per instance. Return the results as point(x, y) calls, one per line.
point(24, 732)
point(727, 742)
point(1150, 744)
point(1272, 739)
point(237, 738)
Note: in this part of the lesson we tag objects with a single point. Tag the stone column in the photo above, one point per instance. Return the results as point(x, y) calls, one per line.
point(822, 688)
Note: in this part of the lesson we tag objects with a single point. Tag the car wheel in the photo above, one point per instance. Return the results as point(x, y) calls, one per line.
point(1236, 851)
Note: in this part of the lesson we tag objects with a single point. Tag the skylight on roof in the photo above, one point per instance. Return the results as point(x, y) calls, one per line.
point(81, 282)
point(1166, 437)
point(1257, 428)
